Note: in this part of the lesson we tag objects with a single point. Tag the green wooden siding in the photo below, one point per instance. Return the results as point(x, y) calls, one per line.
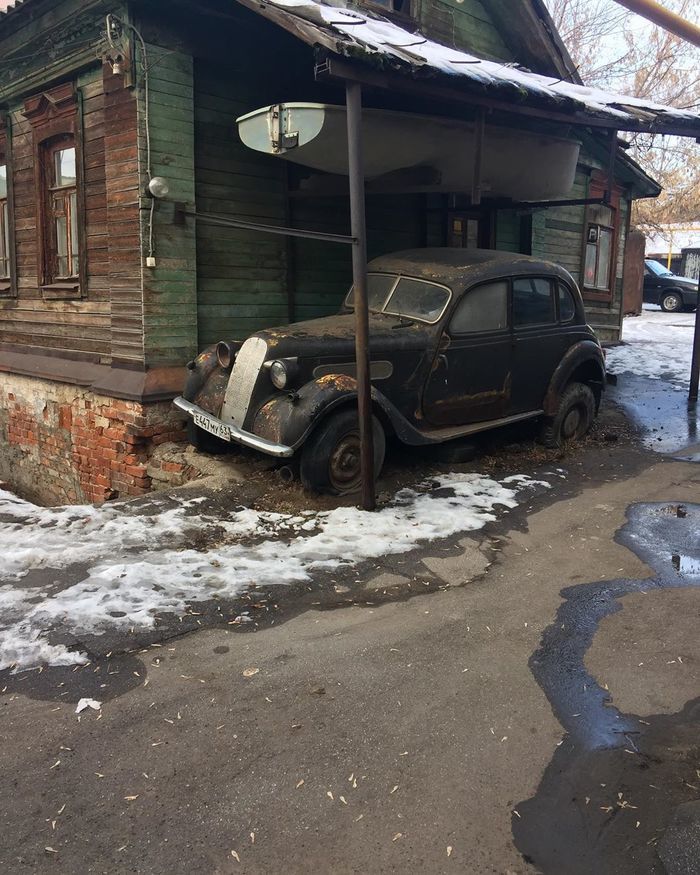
point(465, 24)
point(242, 275)
point(169, 290)
point(322, 272)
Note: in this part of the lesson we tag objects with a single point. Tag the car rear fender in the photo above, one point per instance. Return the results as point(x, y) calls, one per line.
point(582, 363)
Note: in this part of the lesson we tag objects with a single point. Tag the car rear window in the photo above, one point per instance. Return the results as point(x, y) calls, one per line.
point(567, 305)
point(533, 303)
point(484, 308)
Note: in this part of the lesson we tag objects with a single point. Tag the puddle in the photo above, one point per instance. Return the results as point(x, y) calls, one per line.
point(615, 780)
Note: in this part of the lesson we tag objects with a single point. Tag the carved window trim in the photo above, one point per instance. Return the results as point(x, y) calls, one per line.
point(56, 118)
point(8, 284)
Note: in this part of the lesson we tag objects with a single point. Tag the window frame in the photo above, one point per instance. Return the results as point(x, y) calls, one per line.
point(596, 189)
point(56, 119)
point(8, 284)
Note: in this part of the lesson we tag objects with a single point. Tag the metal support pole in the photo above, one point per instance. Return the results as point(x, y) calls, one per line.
point(695, 366)
point(353, 100)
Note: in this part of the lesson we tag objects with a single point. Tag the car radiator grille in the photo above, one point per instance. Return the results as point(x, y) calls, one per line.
point(242, 382)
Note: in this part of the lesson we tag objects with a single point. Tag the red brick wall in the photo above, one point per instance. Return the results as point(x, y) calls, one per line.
point(62, 444)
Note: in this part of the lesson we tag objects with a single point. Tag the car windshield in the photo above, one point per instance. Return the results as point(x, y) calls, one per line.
point(406, 297)
point(657, 268)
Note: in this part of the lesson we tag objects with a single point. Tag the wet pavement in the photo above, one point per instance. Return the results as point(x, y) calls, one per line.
point(616, 779)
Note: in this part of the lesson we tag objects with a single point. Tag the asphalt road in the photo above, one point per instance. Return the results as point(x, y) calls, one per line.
point(400, 729)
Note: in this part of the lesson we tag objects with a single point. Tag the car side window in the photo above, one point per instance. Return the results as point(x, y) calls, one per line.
point(533, 302)
point(567, 305)
point(484, 308)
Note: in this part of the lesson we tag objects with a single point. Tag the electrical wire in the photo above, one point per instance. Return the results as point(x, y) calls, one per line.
point(112, 19)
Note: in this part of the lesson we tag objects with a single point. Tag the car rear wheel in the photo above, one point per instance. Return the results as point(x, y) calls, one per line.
point(330, 459)
point(671, 302)
point(574, 416)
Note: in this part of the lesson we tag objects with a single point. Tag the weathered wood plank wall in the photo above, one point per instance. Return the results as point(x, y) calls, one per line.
point(80, 327)
point(169, 289)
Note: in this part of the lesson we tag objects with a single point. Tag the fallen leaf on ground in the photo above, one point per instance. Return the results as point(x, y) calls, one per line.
point(248, 673)
point(235, 856)
point(449, 850)
point(397, 836)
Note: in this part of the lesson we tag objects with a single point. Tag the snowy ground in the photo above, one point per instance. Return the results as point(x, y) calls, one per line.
point(121, 566)
point(656, 345)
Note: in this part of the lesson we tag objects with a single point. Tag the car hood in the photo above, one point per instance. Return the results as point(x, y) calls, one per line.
point(331, 335)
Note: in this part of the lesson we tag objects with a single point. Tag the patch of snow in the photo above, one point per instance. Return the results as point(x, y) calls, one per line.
point(657, 345)
point(136, 564)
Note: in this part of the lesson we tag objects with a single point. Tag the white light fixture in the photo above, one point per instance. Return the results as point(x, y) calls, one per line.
point(158, 186)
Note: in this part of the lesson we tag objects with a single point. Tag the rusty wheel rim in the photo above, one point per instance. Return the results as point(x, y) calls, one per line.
point(572, 423)
point(344, 464)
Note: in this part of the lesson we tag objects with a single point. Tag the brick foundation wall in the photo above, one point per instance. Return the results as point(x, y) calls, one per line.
point(61, 444)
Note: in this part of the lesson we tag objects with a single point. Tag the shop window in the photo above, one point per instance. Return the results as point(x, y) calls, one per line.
point(55, 118)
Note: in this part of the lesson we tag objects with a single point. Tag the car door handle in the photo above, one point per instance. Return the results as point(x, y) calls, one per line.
point(442, 359)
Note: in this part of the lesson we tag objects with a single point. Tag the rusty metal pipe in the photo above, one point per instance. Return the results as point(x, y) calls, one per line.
point(664, 18)
point(358, 230)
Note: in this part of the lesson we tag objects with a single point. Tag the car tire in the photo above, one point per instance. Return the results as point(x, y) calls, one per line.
point(573, 419)
point(330, 458)
point(671, 302)
point(204, 442)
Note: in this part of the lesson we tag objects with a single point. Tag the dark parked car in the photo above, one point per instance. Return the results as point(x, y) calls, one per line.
point(461, 341)
point(672, 293)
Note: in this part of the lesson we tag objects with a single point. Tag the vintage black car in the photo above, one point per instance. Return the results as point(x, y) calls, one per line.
point(461, 341)
point(671, 292)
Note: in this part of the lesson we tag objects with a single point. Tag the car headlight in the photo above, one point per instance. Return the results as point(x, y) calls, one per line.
point(225, 355)
point(279, 374)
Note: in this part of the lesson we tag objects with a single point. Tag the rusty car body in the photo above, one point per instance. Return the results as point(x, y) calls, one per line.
point(461, 341)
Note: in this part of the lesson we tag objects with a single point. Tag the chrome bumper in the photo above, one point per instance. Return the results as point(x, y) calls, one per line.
point(227, 432)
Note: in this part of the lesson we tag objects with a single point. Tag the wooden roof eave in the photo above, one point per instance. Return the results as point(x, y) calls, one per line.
point(401, 71)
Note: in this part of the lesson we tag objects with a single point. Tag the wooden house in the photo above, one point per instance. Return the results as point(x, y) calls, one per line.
point(106, 291)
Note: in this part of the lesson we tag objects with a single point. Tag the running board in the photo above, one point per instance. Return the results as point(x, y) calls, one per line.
point(440, 435)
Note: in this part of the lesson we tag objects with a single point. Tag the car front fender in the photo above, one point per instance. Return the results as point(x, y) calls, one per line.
point(584, 361)
point(289, 419)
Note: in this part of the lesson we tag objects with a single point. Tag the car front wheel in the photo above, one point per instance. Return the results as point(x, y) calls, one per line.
point(671, 302)
point(573, 419)
point(330, 459)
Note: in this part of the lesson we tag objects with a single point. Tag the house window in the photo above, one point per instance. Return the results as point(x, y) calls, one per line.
point(600, 236)
point(61, 209)
point(600, 242)
point(55, 117)
point(4, 228)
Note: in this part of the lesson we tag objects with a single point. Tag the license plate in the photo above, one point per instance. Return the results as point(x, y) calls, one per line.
point(212, 426)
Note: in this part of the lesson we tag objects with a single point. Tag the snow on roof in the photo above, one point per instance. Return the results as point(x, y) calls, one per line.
point(355, 34)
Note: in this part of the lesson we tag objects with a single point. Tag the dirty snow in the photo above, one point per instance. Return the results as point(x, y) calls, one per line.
point(656, 345)
point(119, 566)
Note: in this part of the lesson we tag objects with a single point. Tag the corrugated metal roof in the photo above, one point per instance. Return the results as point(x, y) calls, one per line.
point(362, 36)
